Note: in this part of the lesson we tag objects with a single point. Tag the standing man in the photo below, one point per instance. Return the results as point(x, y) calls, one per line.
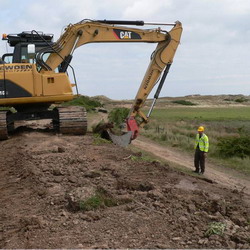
point(201, 149)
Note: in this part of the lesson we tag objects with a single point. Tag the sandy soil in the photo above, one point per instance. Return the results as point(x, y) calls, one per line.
point(45, 180)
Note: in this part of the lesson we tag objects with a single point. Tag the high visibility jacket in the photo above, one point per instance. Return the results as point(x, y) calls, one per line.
point(202, 142)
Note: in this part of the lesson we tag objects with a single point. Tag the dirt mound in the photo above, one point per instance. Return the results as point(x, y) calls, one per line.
point(73, 192)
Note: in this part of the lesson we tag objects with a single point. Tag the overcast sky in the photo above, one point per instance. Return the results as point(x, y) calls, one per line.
point(213, 58)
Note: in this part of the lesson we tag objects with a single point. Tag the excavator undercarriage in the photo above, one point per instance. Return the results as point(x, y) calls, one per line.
point(3, 125)
point(65, 120)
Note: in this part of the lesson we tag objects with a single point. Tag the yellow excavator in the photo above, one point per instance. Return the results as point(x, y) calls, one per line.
point(35, 75)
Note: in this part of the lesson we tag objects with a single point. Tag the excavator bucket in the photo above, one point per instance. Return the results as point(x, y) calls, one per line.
point(106, 131)
point(121, 140)
point(125, 139)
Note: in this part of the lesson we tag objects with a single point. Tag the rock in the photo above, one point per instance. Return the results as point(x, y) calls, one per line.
point(43, 179)
point(92, 174)
point(232, 244)
point(191, 208)
point(240, 237)
point(93, 215)
point(158, 204)
point(176, 238)
point(189, 229)
point(216, 217)
point(72, 179)
point(32, 222)
point(76, 222)
point(203, 241)
point(183, 218)
point(85, 217)
point(214, 237)
point(155, 194)
point(60, 149)
point(246, 246)
point(57, 172)
point(143, 186)
point(41, 192)
point(238, 219)
point(161, 246)
point(58, 179)
point(65, 214)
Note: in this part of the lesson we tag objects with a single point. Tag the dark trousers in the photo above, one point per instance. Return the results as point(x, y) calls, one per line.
point(199, 161)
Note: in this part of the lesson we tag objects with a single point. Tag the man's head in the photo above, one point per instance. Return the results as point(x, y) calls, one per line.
point(201, 130)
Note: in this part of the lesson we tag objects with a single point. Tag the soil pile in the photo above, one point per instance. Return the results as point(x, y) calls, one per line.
point(78, 192)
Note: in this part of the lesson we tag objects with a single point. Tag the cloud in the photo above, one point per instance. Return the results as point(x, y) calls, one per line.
point(146, 9)
point(214, 50)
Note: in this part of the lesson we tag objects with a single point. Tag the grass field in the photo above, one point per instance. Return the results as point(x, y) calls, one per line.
point(202, 114)
point(177, 127)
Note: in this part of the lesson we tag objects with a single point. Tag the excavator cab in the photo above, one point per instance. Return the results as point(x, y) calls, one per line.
point(21, 41)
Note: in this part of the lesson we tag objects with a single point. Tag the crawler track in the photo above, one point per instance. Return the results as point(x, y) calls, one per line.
point(72, 120)
point(3, 126)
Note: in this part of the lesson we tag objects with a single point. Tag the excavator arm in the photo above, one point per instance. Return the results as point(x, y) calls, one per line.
point(157, 71)
point(88, 31)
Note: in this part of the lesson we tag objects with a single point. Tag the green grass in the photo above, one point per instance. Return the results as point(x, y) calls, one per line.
point(99, 200)
point(215, 228)
point(100, 141)
point(88, 102)
point(5, 108)
point(176, 127)
point(202, 114)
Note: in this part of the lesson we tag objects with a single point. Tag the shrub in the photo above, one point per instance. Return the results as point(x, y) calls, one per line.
point(101, 199)
point(118, 116)
point(240, 100)
point(184, 102)
point(85, 101)
point(234, 146)
point(215, 228)
point(99, 140)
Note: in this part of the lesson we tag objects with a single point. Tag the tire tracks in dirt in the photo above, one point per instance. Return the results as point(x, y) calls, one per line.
point(230, 179)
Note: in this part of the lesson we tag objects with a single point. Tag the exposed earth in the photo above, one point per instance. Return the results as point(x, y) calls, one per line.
point(79, 192)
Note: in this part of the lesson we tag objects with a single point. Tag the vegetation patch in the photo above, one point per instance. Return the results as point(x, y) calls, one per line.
point(99, 140)
point(143, 158)
point(100, 199)
point(85, 101)
point(241, 100)
point(234, 146)
point(118, 115)
point(215, 228)
point(184, 102)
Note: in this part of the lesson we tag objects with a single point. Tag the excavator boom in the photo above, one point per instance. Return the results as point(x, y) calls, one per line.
point(85, 32)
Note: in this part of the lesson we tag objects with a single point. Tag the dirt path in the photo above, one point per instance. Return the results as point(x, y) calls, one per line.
point(231, 179)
